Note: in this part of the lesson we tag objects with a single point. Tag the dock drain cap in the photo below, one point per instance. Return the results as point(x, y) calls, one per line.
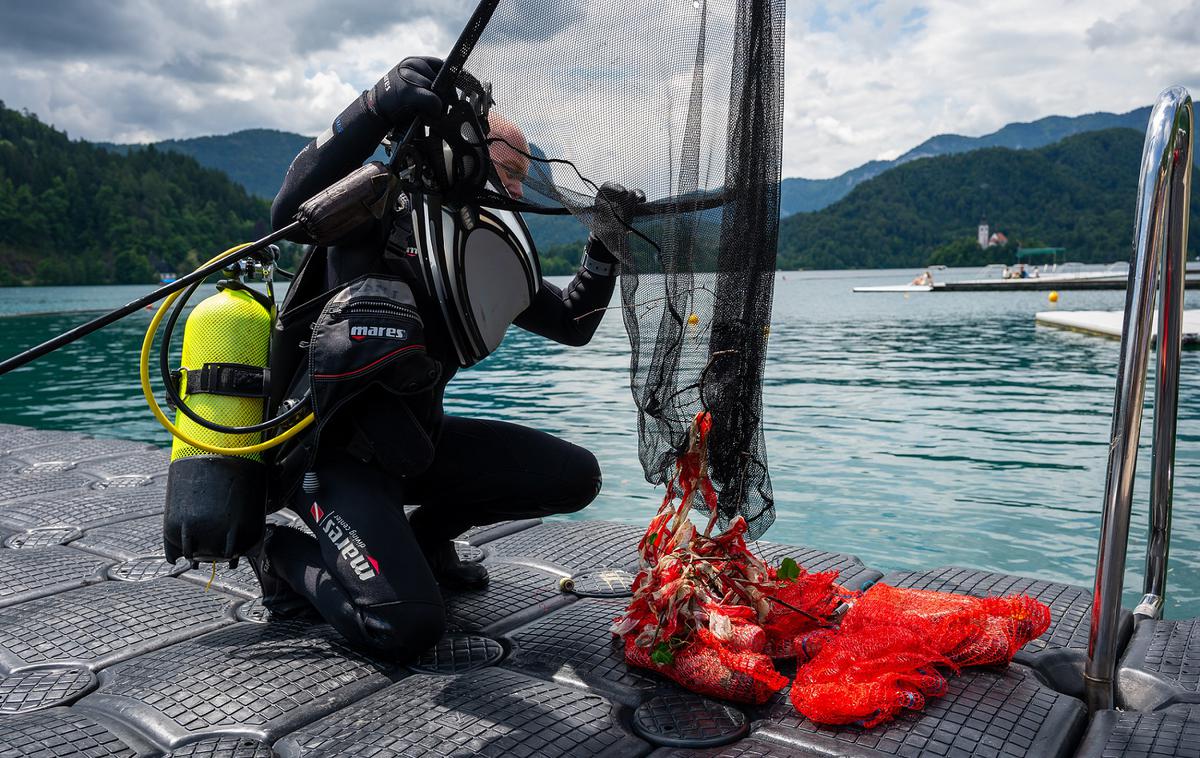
point(601, 582)
point(223, 747)
point(41, 688)
point(122, 482)
point(681, 719)
point(48, 467)
point(43, 537)
point(254, 612)
point(145, 569)
point(457, 653)
point(467, 552)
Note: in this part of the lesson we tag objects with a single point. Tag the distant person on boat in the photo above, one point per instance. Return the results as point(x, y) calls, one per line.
point(372, 573)
point(924, 280)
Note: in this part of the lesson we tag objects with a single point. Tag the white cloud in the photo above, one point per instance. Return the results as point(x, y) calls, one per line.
point(866, 79)
point(969, 68)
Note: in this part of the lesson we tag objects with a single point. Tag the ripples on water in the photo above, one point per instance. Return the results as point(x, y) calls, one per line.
point(912, 431)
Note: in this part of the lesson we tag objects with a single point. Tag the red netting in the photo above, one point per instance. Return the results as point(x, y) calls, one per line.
point(711, 616)
point(886, 652)
point(706, 612)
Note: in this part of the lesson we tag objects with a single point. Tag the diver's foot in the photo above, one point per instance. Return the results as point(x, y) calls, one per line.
point(278, 597)
point(451, 572)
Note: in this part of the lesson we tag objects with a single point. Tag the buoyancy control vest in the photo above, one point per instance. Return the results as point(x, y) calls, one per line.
point(472, 269)
point(479, 265)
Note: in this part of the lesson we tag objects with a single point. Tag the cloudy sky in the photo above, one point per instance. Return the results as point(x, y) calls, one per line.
point(866, 79)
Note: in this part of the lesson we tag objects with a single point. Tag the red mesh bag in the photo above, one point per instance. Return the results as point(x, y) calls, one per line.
point(886, 654)
point(711, 616)
point(706, 612)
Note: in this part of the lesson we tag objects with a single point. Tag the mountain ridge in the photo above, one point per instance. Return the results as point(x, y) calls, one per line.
point(798, 195)
point(1078, 193)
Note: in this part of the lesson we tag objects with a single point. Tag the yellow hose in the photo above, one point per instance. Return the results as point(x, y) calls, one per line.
point(144, 370)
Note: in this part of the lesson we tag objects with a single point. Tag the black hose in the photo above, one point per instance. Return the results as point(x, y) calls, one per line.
point(164, 366)
point(85, 329)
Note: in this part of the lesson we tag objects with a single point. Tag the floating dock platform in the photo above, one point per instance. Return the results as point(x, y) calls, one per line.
point(1109, 323)
point(107, 651)
point(1064, 282)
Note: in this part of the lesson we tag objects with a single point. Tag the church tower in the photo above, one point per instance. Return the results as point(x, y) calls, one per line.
point(983, 233)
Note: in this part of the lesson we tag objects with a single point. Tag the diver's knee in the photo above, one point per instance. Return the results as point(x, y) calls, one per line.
point(404, 630)
point(582, 482)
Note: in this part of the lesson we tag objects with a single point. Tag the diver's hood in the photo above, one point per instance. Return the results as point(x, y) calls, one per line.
point(481, 266)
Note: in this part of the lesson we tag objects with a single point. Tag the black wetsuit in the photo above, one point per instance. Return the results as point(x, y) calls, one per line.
point(365, 572)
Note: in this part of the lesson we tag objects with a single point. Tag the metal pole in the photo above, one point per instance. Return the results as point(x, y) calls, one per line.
point(1170, 340)
point(100, 322)
point(1158, 168)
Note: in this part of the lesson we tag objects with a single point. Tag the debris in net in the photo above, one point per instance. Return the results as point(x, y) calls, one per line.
point(711, 616)
point(706, 612)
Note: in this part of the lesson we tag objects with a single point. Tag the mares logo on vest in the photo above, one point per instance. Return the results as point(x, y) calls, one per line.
point(363, 331)
point(349, 546)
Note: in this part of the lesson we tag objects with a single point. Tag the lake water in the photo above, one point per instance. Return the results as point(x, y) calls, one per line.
point(914, 431)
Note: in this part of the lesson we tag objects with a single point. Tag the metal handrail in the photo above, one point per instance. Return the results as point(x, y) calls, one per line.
point(1164, 194)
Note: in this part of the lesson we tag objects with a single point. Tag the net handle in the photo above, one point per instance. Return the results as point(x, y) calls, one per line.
point(443, 83)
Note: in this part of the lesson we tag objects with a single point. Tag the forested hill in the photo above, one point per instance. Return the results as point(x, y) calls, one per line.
point(254, 158)
point(798, 195)
point(1078, 193)
point(71, 212)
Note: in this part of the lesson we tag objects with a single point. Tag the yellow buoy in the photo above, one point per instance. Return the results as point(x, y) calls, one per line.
point(693, 320)
point(1053, 296)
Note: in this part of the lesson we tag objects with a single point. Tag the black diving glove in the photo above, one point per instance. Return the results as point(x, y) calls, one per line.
point(405, 93)
point(613, 212)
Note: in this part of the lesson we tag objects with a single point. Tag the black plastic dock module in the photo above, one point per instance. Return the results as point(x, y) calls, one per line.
point(74, 452)
point(261, 680)
point(985, 711)
point(104, 623)
point(515, 594)
point(481, 535)
point(42, 688)
point(240, 581)
point(64, 733)
point(86, 509)
point(458, 653)
point(573, 645)
point(571, 546)
point(490, 712)
point(154, 462)
point(1061, 652)
point(1161, 665)
point(747, 748)
point(1168, 733)
point(14, 438)
point(24, 481)
point(135, 538)
point(36, 572)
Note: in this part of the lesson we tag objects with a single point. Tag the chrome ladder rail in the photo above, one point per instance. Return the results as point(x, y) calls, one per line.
point(1164, 194)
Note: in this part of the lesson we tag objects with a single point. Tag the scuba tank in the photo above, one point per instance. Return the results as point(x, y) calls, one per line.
point(216, 503)
point(217, 482)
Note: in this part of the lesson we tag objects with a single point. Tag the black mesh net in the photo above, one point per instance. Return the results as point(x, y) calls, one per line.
point(682, 100)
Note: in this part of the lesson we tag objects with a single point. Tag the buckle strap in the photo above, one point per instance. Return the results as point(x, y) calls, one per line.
point(234, 379)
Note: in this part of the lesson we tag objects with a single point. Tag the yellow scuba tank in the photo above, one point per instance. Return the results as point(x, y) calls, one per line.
point(216, 503)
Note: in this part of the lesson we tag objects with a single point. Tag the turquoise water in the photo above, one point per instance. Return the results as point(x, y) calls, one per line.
point(913, 431)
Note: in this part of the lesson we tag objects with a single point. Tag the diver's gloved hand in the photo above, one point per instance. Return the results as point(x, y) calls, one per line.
point(405, 93)
point(615, 206)
point(613, 211)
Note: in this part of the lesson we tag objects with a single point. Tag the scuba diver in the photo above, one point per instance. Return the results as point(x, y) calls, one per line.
point(369, 571)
